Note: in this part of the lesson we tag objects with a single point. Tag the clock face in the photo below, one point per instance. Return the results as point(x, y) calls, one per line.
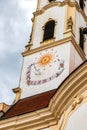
point(46, 67)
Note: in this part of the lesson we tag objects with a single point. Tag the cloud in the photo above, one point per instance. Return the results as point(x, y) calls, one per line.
point(15, 28)
point(14, 23)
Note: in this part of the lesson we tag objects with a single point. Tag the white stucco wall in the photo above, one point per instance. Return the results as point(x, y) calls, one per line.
point(75, 59)
point(43, 3)
point(46, 2)
point(80, 22)
point(78, 120)
point(54, 13)
point(64, 53)
point(61, 52)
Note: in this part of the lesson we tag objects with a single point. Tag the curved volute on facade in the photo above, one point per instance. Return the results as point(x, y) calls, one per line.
point(71, 95)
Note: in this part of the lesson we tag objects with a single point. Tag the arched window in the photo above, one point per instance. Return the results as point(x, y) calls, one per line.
point(83, 31)
point(51, 0)
point(82, 4)
point(49, 30)
point(81, 39)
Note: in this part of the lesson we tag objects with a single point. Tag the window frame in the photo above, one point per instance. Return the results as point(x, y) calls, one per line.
point(50, 36)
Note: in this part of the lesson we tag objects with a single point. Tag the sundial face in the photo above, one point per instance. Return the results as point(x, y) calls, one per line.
point(47, 66)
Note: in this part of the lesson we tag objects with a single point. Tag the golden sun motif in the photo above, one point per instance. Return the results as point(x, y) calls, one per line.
point(45, 59)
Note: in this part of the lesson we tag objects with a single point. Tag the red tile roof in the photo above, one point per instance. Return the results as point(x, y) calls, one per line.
point(29, 104)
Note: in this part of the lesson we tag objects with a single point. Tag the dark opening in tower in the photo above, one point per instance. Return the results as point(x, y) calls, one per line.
point(49, 30)
point(83, 32)
point(82, 4)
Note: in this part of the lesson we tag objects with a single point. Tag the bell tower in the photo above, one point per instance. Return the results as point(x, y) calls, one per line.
point(57, 46)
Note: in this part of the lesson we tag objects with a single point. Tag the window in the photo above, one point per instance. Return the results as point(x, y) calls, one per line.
point(49, 30)
point(82, 4)
point(81, 38)
point(51, 0)
point(83, 31)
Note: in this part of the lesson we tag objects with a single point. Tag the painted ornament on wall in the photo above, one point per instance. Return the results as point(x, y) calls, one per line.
point(47, 66)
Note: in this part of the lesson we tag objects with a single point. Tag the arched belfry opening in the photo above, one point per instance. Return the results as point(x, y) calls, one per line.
point(82, 4)
point(49, 30)
point(51, 0)
point(83, 32)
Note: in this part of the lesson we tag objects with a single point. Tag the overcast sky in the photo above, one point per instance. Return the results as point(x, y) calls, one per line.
point(15, 28)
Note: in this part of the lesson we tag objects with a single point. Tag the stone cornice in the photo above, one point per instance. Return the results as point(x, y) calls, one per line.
point(58, 3)
point(31, 121)
point(56, 43)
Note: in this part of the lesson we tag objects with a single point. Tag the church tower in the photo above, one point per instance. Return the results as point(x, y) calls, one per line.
point(53, 81)
point(57, 45)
